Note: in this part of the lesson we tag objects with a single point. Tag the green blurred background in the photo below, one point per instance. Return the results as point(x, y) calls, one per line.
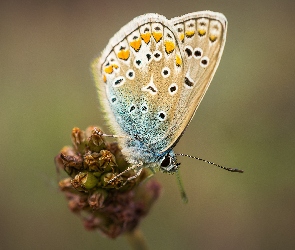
point(246, 120)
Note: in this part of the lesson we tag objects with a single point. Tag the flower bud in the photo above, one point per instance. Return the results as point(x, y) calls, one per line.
point(78, 139)
point(99, 188)
point(84, 181)
point(95, 140)
point(97, 199)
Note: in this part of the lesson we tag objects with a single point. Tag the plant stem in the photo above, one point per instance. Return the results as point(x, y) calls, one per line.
point(136, 240)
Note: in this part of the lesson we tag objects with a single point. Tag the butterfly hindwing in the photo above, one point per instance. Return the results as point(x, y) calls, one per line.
point(202, 35)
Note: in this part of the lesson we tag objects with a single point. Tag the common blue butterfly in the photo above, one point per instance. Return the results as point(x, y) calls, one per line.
point(151, 79)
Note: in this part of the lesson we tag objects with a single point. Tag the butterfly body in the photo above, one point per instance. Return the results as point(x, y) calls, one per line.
point(151, 78)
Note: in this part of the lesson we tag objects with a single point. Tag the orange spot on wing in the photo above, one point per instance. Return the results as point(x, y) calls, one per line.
point(124, 54)
point(104, 78)
point(189, 33)
point(158, 36)
point(136, 44)
point(212, 38)
point(178, 61)
point(181, 37)
point(201, 32)
point(169, 46)
point(146, 37)
point(109, 69)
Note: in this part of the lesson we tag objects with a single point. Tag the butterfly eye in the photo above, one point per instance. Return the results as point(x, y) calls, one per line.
point(166, 161)
point(168, 164)
point(198, 52)
point(130, 74)
point(204, 61)
point(165, 72)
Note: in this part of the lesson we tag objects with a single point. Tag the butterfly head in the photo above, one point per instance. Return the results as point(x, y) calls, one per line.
point(168, 163)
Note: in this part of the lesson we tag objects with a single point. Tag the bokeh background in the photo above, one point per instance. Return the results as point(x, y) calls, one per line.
point(246, 120)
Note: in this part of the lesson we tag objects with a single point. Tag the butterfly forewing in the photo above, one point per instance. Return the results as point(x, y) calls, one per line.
point(202, 35)
point(141, 77)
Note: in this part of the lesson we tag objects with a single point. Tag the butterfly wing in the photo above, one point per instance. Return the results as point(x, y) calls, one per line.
point(154, 73)
point(140, 78)
point(202, 35)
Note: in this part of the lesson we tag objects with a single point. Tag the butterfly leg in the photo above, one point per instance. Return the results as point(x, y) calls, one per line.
point(135, 176)
point(100, 133)
point(127, 170)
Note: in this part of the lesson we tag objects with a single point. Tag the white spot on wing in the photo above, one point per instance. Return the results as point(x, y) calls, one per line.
point(151, 87)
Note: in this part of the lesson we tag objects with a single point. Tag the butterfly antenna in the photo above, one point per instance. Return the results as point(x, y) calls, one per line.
point(212, 163)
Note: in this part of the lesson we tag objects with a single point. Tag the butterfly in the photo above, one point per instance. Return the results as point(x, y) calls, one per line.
point(151, 78)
